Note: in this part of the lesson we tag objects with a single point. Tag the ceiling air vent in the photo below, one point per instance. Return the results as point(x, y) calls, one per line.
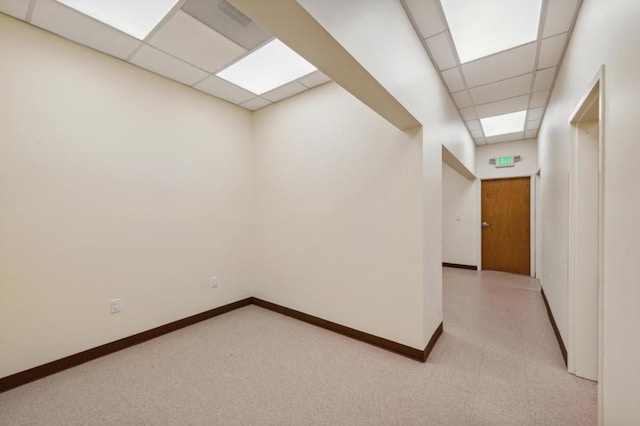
point(232, 12)
point(226, 19)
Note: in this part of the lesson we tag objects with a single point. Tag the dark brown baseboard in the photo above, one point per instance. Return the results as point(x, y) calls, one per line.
point(563, 348)
point(41, 371)
point(457, 265)
point(35, 373)
point(399, 348)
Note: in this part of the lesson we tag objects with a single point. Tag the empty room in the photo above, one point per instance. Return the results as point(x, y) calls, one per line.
point(292, 212)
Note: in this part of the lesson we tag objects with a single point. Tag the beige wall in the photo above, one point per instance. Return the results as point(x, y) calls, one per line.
point(460, 223)
point(339, 214)
point(398, 62)
point(608, 34)
point(114, 183)
point(109, 196)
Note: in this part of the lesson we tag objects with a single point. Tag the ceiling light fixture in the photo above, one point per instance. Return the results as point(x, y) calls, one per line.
point(481, 28)
point(266, 68)
point(504, 124)
point(136, 18)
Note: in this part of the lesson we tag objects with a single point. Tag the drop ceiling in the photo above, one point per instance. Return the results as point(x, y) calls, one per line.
point(199, 38)
point(191, 44)
point(517, 79)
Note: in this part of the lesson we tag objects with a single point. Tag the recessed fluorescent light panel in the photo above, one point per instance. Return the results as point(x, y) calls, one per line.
point(134, 17)
point(504, 124)
point(481, 28)
point(266, 68)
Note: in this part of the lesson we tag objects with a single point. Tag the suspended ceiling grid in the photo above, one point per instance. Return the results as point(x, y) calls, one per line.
point(194, 41)
point(517, 79)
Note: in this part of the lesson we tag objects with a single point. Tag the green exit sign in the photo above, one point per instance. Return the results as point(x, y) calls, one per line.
point(505, 161)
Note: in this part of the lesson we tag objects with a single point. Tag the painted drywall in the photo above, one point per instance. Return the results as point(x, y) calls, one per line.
point(608, 34)
point(339, 214)
point(399, 63)
point(115, 183)
point(528, 166)
point(460, 226)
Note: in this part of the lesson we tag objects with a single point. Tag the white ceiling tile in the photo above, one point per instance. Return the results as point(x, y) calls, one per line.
point(530, 134)
point(462, 99)
point(535, 114)
point(192, 41)
point(427, 17)
point(544, 79)
point(255, 104)
point(503, 107)
point(559, 16)
point(480, 141)
point(502, 90)
point(73, 25)
point(532, 124)
point(314, 79)
point(477, 134)
point(222, 89)
point(468, 114)
point(539, 99)
point(285, 91)
point(166, 65)
point(453, 79)
point(551, 51)
point(442, 51)
point(506, 138)
point(473, 125)
point(500, 66)
point(15, 8)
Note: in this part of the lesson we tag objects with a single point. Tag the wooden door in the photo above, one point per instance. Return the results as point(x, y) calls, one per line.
point(506, 223)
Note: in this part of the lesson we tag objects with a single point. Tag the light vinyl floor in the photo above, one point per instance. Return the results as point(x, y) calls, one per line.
point(497, 363)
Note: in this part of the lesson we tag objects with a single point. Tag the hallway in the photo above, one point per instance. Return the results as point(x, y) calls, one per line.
point(496, 363)
point(499, 345)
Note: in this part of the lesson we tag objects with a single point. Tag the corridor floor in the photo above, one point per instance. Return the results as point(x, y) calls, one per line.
point(497, 363)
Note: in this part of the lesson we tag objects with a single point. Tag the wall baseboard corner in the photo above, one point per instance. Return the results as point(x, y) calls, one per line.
point(41, 371)
point(556, 331)
point(399, 348)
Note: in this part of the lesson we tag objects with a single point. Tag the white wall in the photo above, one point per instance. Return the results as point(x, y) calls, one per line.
point(339, 214)
point(528, 149)
point(460, 223)
point(608, 34)
point(399, 63)
point(114, 183)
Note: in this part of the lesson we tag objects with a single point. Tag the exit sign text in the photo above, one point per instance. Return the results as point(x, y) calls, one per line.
point(505, 161)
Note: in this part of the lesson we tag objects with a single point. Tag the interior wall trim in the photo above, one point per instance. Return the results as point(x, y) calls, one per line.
point(399, 348)
point(459, 266)
point(44, 370)
point(563, 348)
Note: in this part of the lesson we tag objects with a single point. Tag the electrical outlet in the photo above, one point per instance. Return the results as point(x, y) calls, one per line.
point(215, 281)
point(115, 306)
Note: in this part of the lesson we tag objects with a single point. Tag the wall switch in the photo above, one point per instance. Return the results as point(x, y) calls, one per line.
point(115, 306)
point(215, 281)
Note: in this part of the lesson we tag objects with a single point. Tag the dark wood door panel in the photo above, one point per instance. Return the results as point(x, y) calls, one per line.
point(506, 207)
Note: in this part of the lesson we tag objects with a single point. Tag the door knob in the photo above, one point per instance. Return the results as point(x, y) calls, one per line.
point(485, 225)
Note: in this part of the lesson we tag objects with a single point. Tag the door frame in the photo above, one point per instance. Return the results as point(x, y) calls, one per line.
point(532, 219)
point(595, 89)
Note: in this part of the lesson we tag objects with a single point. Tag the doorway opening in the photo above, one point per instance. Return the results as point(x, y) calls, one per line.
point(586, 192)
